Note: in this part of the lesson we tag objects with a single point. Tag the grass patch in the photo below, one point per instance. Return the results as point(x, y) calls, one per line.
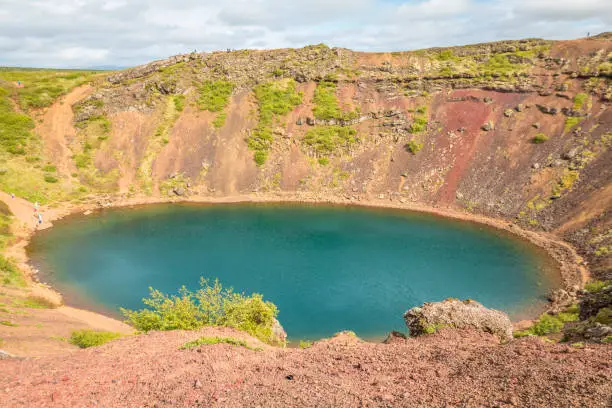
point(91, 338)
point(275, 99)
point(539, 138)
point(7, 323)
point(179, 102)
point(211, 305)
point(567, 181)
point(36, 302)
point(214, 95)
point(42, 87)
point(413, 146)
point(203, 341)
point(326, 140)
point(326, 103)
point(9, 274)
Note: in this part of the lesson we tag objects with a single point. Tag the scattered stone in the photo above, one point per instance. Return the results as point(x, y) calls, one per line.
point(278, 333)
point(197, 384)
point(547, 109)
point(299, 122)
point(487, 100)
point(536, 125)
point(179, 191)
point(289, 377)
point(310, 121)
point(458, 314)
point(520, 107)
point(488, 126)
point(562, 87)
point(394, 337)
point(569, 155)
point(508, 113)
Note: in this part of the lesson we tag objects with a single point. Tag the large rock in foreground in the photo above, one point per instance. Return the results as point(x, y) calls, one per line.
point(467, 314)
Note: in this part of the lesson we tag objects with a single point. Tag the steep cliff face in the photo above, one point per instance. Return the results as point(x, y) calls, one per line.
point(519, 130)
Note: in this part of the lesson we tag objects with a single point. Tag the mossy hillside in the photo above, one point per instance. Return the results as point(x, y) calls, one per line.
point(326, 104)
point(214, 97)
point(275, 99)
point(22, 168)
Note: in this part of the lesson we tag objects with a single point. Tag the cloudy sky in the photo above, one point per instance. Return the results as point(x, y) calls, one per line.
point(95, 33)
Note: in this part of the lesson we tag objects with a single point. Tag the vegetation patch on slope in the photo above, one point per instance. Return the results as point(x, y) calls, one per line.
point(204, 341)
point(91, 338)
point(327, 106)
point(327, 140)
point(275, 99)
point(214, 97)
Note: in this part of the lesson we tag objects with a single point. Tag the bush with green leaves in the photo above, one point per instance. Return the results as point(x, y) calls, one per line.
point(211, 305)
point(413, 146)
point(91, 338)
point(548, 324)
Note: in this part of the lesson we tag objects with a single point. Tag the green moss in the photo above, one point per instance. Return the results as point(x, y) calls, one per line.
point(214, 95)
point(570, 122)
point(326, 104)
point(91, 338)
point(327, 140)
point(579, 100)
point(203, 341)
point(566, 183)
point(548, 324)
point(539, 138)
point(323, 161)
point(179, 102)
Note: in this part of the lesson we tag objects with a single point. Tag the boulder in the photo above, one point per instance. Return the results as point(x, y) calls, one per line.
point(508, 113)
point(454, 313)
point(279, 335)
point(488, 126)
point(548, 109)
point(520, 107)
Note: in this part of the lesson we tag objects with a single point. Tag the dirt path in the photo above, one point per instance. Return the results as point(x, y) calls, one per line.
point(57, 129)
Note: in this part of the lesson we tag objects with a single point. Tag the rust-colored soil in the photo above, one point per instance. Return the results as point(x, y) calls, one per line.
point(448, 369)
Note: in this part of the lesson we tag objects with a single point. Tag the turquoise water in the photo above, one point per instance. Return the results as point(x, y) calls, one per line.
point(326, 268)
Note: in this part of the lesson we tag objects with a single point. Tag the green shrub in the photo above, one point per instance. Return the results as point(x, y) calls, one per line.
point(211, 305)
point(50, 179)
point(596, 285)
point(304, 344)
point(91, 338)
point(260, 157)
point(548, 324)
point(326, 140)
point(49, 168)
point(202, 341)
point(214, 95)
point(413, 146)
point(8, 323)
point(323, 161)
point(539, 138)
point(418, 125)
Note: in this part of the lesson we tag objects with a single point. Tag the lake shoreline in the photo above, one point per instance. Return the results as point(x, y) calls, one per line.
point(570, 266)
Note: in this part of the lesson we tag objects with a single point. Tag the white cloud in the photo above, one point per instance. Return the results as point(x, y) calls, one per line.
point(69, 33)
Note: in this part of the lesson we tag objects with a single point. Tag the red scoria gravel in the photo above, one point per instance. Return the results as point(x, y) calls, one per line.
point(449, 369)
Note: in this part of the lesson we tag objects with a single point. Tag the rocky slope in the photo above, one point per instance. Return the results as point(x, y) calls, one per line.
point(451, 368)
